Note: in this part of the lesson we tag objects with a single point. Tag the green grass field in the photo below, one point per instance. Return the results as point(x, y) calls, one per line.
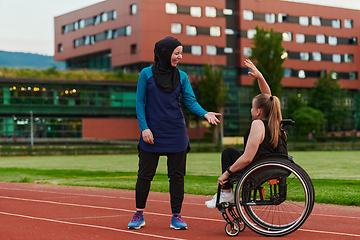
point(335, 174)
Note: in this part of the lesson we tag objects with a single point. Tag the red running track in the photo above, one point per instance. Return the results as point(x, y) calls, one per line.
point(36, 211)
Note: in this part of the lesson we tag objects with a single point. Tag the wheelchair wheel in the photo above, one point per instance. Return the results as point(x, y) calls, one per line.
point(232, 229)
point(274, 197)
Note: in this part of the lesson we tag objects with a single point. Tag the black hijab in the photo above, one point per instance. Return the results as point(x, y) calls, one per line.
point(167, 77)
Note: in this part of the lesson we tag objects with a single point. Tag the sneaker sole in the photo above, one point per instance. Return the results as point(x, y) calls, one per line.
point(141, 225)
point(180, 228)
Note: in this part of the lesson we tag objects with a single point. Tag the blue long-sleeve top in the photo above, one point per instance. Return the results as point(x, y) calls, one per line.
point(161, 113)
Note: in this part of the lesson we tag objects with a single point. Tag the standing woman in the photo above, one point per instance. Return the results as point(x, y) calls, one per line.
point(163, 128)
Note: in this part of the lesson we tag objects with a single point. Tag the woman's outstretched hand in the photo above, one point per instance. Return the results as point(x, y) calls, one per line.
point(211, 117)
point(254, 71)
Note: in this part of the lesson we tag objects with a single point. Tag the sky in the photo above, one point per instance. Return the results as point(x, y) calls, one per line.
point(28, 25)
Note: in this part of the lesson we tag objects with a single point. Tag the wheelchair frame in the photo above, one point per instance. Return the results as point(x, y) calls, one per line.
point(274, 196)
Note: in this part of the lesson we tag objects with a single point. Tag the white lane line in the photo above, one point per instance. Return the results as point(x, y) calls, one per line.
point(336, 233)
point(88, 225)
point(92, 195)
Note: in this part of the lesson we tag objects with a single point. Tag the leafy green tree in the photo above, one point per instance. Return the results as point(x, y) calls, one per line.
point(327, 96)
point(212, 93)
point(270, 55)
point(307, 120)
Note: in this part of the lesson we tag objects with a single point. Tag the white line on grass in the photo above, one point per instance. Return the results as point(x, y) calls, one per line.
point(88, 225)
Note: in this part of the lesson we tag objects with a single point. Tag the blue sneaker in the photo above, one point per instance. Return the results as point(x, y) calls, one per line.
point(177, 222)
point(137, 221)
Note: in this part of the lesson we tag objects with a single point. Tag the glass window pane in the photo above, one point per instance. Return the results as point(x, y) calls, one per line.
point(300, 38)
point(191, 31)
point(109, 34)
point(82, 23)
point(352, 75)
point(348, 58)
point(287, 36)
point(196, 50)
point(215, 31)
point(316, 56)
point(211, 50)
point(76, 25)
point(228, 50)
point(195, 11)
point(348, 23)
point(332, 41)
point(287, 72)
point(171, 8)
point(114, 14)
point(97, 20)
point(336, 23)
point(229, 32)
point(176, 28)
point(270, 17)
point(104, 17)
point(251, 33)
point(127, 30)
point(248, 15)
point(86, 40)
point(301, 74)
point(282, 17)
point(320, 38)
point(247, 51)
point(133, 9)
point(304, 56)
point(228, 12)
point(304, 21)
point(315, 21)
point(210, 11)
point(336, 58)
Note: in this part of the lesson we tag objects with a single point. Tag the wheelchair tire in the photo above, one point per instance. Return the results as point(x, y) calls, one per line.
point(274, 197)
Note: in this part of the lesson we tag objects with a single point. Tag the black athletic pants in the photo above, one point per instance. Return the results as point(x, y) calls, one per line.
point(148, 162)
point(228, 157)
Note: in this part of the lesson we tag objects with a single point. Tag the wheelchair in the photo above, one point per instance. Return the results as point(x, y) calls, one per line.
point(273, 197)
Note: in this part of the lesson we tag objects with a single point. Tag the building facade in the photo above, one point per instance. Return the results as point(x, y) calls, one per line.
point(114, 35)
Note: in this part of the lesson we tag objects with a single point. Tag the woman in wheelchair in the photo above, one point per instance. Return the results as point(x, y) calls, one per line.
point(261, 139)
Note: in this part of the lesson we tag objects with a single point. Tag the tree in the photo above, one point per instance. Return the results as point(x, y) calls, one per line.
point(270, 55)
point(307, 120)
point(327, 96)
point(212, 93)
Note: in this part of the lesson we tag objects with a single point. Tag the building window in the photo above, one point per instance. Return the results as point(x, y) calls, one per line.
point(65, 29)
point(336, 23)
point(133, 9)
point(76, 25)
point(171, 8)
point(228, 12)
point(133, 49)
point(301, 74)
point(348, 23)
point(287, 72)
point(195, 11)
point(304, 56)
point(114, 15)
point(320, 38)
point(336, 58)
point(300, 38)
point(251, 33)
point(353, 41)
point(210, 11)
point(229, 31)
point(97, 20)
point(348, 58)
point(282, 17)
point(176, 28)
point(287, 36)
point(247, 51)
point(191, 31)
point(334, 75)
point(211, 50)
point(76, 43)
point(270, 17)
point(82, 23)
point(92, 39)
point(248, 15)
point(86, 40)
point(332, 41)
point(304, 21)
point(60, 47)
point(104, 17)
point(316, 56)
point(228, 50)
point(352, 75)
point(316, 21)
point(196, 50)
point(215, 31)
point(109, 34)
point(127, 30)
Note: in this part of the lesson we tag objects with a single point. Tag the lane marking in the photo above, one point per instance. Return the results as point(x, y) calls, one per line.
point(336, 233)
point(89, 225)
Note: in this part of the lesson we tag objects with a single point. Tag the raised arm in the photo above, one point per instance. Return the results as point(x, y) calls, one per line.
point(264, 87)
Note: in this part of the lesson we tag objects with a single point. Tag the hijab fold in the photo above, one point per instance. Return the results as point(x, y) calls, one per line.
point(167, 77)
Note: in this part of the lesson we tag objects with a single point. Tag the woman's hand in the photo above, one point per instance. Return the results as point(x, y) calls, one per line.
point(147, 136)
point(254, 71)
point(211, 117)
point(223, 178)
